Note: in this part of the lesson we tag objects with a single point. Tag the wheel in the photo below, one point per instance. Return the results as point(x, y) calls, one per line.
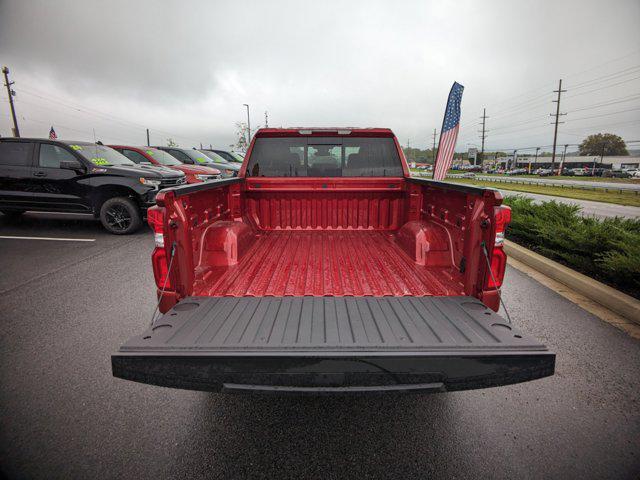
point(12, 213)
point(120, 216)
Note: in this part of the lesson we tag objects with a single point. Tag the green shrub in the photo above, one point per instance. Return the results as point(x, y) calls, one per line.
point(605, 249)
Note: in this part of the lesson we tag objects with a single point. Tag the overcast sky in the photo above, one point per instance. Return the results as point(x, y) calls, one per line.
point(185, 68)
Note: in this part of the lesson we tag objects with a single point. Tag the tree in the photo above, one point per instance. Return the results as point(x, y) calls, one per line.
point(241, 137)
point(171, 143)
point(417, 155)
point(603, 144)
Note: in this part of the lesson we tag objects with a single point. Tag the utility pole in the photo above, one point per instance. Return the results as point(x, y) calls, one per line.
point(11, 93)
point(484, 134)
point(266, 119)
point(148, 142)
point(557, 116)
point(535, 160)
point(434, 146)
point(248, 125)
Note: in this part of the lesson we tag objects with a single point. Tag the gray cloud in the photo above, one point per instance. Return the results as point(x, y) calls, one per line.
point(185, 68)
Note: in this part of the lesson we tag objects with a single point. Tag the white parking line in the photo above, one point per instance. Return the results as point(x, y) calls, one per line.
point(50, 238)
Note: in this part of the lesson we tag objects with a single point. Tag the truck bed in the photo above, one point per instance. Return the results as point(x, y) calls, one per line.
point(329, 263)
point(310, 344)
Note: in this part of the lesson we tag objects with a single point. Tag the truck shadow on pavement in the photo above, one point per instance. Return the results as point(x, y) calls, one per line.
point(43, 224)
point(321, 437)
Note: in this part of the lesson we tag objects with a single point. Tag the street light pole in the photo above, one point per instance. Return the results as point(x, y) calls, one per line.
point(564, 154)
point(248, 125)
point(433, 152)
point(11, 93)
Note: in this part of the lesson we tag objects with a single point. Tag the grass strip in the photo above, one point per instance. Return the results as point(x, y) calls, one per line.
point(620, 198)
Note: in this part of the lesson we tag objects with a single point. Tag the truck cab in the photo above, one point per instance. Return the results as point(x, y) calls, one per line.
point(324, 267)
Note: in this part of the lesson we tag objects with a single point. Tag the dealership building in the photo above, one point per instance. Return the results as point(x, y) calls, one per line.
point(526, 161)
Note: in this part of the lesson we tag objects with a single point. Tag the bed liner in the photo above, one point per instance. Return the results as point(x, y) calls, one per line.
point(330, 263)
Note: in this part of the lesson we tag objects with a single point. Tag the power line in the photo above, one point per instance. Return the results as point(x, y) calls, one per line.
point(544, 98)
point(607, 125)
point(637, 51)
point(545, 125)
point(535, 101)
point(534, 119)
point(628, 98)
point(104, 116)
point(605, 78)
point(605, 87)
point(528, 109)
point(604, 114)
point(612, 77)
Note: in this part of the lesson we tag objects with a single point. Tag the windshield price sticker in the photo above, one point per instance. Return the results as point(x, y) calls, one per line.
point(99, 161)
point(201, 160)
point(150, 152)
point(75, 147)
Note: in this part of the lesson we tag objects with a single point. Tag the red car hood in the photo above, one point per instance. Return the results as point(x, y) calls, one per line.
point(197, 169)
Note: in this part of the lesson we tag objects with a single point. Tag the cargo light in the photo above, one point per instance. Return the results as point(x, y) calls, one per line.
point(495, 277)
point(155, 219)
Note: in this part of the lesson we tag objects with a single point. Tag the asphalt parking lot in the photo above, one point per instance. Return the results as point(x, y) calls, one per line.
point(67, 305)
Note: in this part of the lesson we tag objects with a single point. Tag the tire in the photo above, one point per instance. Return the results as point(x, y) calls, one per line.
point(120, 216)
point(12, 213)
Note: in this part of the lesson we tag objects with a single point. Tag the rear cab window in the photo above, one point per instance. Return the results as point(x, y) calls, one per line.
point(324, 157)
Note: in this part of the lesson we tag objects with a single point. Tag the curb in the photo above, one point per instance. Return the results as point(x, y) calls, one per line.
point(606, 296)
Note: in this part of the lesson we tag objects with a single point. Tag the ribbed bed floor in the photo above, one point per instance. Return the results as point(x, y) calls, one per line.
point(329, 263)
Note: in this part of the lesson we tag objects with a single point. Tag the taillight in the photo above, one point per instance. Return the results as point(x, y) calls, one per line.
point(498, 266)
point(502, 218)
point(159, 261)
point(156, 222)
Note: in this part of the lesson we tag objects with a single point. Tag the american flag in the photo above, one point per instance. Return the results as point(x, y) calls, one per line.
point(52, 134)
point(449, 133)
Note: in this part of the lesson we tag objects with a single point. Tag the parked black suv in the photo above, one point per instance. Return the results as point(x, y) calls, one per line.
point(80, 177)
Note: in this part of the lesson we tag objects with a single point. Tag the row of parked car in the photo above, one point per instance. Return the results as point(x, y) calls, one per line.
point(115, 183)
point(572, 172)
point(197, 165)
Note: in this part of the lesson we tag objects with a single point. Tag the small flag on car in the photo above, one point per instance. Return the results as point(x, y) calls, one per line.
point(448, 133)
point(52, 134)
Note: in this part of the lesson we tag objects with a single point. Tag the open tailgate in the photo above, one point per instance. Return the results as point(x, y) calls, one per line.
point(331, 344)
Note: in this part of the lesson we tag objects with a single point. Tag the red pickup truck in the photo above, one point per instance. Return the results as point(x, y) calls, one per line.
point(324, 267)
